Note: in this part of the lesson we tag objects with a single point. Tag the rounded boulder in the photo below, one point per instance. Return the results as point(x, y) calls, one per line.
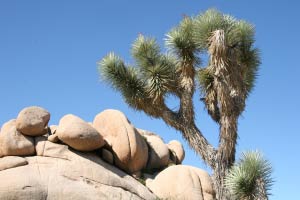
point(78, 134)
point(128, 146)
point(33, 121)
point(158, 152)
point(177, 149)
point(182, 182)
point(13, 143)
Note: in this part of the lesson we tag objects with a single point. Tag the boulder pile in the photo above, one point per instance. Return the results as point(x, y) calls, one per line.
point(106, 159)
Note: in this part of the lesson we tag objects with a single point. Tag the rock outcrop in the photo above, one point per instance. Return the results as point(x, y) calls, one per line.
point(128, 146)
point(109, 159)
point(177, 151)
point(59, 173)
point(33, 121)
point(158, 150)
point(13, 143)
point(182, 182)
point(9, 162)
point(78, 134)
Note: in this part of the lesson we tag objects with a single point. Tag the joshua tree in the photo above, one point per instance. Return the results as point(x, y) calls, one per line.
point(225, 82)
point(250, 178)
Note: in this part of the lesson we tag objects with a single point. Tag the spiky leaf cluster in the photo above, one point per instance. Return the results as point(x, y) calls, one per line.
point(239, 55)
point(181, 41)
point(250, 178)
point(145, 85)
point(124, 79)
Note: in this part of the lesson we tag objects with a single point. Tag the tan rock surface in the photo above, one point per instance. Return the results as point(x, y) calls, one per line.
point(11, 162)
point(159, 152)
point(33, 121)
point(53, 129)
point(107, 156)
point(182, 182)
point(129, 148)
point(61, 174)
point(53, 138)
point(78, 134)
point(13, 143)
point(177, 148)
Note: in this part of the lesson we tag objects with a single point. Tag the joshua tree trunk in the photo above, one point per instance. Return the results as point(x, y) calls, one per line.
point(225, 156)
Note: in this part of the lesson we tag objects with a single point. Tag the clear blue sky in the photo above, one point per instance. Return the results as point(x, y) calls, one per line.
point(49, 50)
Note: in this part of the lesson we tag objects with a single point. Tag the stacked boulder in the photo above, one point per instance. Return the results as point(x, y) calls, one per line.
point(76, 158)
point(130, 151)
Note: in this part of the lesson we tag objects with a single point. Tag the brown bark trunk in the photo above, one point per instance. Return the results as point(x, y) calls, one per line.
point(220, 172)
point(226, 154)
point(199, 143)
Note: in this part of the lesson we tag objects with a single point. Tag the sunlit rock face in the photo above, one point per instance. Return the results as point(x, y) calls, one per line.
point(106, 159)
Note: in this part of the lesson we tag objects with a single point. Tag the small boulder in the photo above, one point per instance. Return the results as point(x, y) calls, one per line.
point(13, 143)
point(53, 129)
point(177, 150)
point(78, 134)
point(129, 148)
point(11, 162)
point(159, 152)
point(53, 138)
point(33, 121)
point(182, 182)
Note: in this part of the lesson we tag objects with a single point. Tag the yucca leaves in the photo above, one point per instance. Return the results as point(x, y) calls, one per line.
point(143, 84)
point(250, 178)
point(180, 40)
point(161, 78)
point(250, 60)
point(157, 70)
point(207, 23)
point(235, 52)
point(146, 52)
point(242, 34)
point(124, 79)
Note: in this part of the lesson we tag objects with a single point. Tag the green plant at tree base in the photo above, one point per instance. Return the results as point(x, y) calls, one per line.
point(225, 82)
point(250, 178)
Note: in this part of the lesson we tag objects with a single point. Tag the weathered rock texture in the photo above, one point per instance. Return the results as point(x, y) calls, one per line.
point(128, 146)
point(80, 161)
point(177, 150)
point(59, 173)
point(78, 134)
point(182, 182)
point(33, 121)
point(11, 162)
point(158, 150)
point(13, 143)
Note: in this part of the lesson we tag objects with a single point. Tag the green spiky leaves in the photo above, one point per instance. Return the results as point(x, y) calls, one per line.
point(156, 74)
point(148, 82)
point(205, 78)
point(207, 23)
point(157, 70)
point(250, 178)
point(124, 79)
point(229, 43)
point(180, 40)
point(146, 52)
